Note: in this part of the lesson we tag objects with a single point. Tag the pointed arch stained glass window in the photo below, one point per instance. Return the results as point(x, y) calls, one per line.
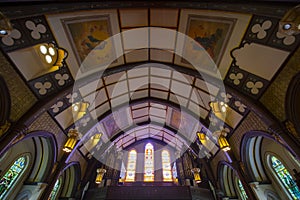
point(285, 177)
point(131, 165)
point(166, 165)
point(12, 175)
point(55, 190)
point(149, 163)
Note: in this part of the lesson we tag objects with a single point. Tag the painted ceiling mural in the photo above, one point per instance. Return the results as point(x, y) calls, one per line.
point(246, 50)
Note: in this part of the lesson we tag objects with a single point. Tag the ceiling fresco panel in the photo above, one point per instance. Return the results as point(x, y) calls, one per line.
point(90, 41)
point(218, 41)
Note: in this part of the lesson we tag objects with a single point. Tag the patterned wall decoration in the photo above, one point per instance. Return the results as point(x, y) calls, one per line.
point(259, 57)
point(50, 83)
point(264, 30)
point(260, 29)
point(15, 40)
point(27, 32)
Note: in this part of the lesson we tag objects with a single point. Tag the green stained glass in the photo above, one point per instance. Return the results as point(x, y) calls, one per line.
point(242, 190)
point(285, 178)
point(55, 190)
point(12, 174)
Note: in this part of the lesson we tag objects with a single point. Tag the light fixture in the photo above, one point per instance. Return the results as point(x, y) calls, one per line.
point(196, 173)
point(218, 107)
point(79, 109)
point(52, 55)
point(175, 180)
point(97, 136)
point(290, 23)
point(72, 139)
point(223, 143)
point(201, 136)
point(5, 26)
point(100, 174)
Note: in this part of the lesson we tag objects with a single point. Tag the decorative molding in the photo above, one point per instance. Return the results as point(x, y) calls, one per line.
point(292, 102)
point(5, 106)
point(276, 9)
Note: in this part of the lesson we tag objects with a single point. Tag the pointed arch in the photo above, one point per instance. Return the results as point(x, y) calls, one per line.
point(230, 182)
point(13, 174)
point(251, 155)
point(226, 176)
point(241, 191)
point(131, 166)
point(166, 165)
point(55, 190)
point(70, 179)
point(149, 163)
point(284, 177)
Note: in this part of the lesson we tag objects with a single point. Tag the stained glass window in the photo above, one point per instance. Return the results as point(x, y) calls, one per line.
point(55, 190)
point(285, 177)
point(11, 176)
point(131, 165)
point(174, 171)
point(149, 163)
point(242, 190)
point(165, 158)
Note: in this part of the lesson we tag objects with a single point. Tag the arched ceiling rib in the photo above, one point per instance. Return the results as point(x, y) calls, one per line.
point(148, 81)
point(248, 58)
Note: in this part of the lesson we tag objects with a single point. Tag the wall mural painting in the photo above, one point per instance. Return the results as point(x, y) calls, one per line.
point(110, 125)
point(212, 33)
point(183, 122)
point(90, 33)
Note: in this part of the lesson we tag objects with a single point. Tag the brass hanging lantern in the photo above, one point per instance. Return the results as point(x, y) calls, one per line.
point(196, 173)
point(100, 174)
point(71, 142)
point(224, 145)
point(218, 107)
point(201, 136)
point(52, 55)
point(79, 109)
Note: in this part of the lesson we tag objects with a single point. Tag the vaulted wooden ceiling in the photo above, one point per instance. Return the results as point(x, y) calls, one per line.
point(148, 80)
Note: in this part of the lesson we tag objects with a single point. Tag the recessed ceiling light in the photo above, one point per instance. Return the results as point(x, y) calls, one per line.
point(51, 51)
point(43, 49)
point(48, 59)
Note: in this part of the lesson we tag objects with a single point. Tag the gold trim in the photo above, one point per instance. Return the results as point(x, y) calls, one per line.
point(4, 128)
